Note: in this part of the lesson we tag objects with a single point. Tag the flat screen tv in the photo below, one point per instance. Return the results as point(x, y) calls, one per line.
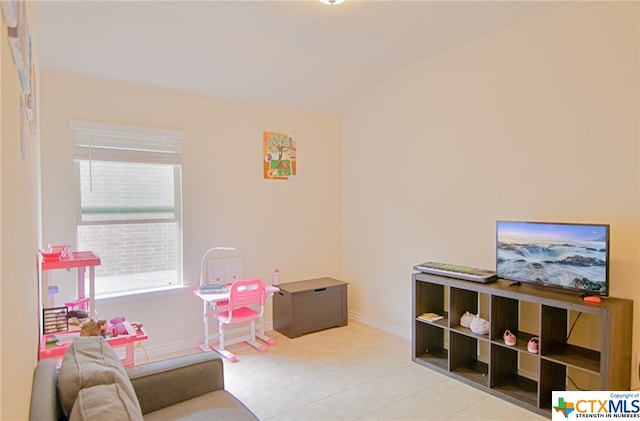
point(573, 257)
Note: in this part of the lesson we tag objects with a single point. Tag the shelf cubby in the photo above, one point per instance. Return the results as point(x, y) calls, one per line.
point(461, 301)
point(505, 377)
point(576, 356)
point(553, 376)
point(565, 360)
point(430, 298)
point(504, 316)
point(578, 379)
point(429, 345)
point(464, 359)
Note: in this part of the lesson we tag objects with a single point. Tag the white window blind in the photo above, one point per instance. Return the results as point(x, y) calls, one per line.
point(111, 142)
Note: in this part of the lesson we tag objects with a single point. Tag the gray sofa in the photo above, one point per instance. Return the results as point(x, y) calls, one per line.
point(190, 387)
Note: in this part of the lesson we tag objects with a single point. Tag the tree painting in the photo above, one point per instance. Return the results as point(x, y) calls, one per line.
point(279, 156)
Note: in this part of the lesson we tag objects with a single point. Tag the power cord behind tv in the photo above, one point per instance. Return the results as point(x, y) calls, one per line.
point(574, 384)
point(568, 335)
point(573, 325)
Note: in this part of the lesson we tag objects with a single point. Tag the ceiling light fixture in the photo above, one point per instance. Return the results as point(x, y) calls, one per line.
point(331, 2)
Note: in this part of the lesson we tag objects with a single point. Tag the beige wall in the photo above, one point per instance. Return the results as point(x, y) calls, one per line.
point(19, 225)
point(292, 225)
point(536, 122)
point(3, 50)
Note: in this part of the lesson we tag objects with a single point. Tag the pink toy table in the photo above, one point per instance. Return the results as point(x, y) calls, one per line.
point(128, 341)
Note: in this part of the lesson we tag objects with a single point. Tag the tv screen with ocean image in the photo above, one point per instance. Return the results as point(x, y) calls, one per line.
point(563, 255)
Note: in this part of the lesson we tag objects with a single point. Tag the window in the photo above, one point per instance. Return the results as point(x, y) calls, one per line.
point(130, 212)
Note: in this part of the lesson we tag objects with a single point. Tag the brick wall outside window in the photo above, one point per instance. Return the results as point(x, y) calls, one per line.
point(116, 191)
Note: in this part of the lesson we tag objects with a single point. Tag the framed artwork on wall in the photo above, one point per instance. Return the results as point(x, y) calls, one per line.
point(279, 153)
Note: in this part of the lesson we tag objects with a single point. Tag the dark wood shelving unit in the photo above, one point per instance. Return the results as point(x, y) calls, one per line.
point(449, 348)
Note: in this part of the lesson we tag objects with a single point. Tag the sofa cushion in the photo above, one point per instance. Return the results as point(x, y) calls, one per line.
point(105, 402)
point(90, 361)
point(189, 376)
point(218, 405)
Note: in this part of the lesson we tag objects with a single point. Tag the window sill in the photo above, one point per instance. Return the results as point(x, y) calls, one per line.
point(135, 295)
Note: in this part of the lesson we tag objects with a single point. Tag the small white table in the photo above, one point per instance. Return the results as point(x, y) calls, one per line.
point(215, 300)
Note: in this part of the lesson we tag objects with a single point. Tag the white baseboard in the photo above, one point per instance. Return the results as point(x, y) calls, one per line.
point(378, 324)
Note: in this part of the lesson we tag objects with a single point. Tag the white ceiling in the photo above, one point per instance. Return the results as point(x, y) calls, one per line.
point(299, 54)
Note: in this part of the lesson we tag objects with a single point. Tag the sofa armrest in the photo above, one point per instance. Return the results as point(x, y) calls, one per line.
point(164, 383)
point(44, 404)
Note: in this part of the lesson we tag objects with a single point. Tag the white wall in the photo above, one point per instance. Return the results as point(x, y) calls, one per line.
point(292, 225)
point(19, 224)
point(536, 122)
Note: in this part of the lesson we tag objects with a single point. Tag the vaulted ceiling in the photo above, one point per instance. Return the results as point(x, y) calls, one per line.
point(298, 54)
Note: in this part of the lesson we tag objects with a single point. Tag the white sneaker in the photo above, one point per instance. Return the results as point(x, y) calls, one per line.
point(465, 320)
point(479, 326)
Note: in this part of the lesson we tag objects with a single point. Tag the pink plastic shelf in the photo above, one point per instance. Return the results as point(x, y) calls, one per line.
point(57, 350)
point(75, 259)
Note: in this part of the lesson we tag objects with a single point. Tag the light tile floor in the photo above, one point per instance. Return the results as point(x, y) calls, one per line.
point(354, 372)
